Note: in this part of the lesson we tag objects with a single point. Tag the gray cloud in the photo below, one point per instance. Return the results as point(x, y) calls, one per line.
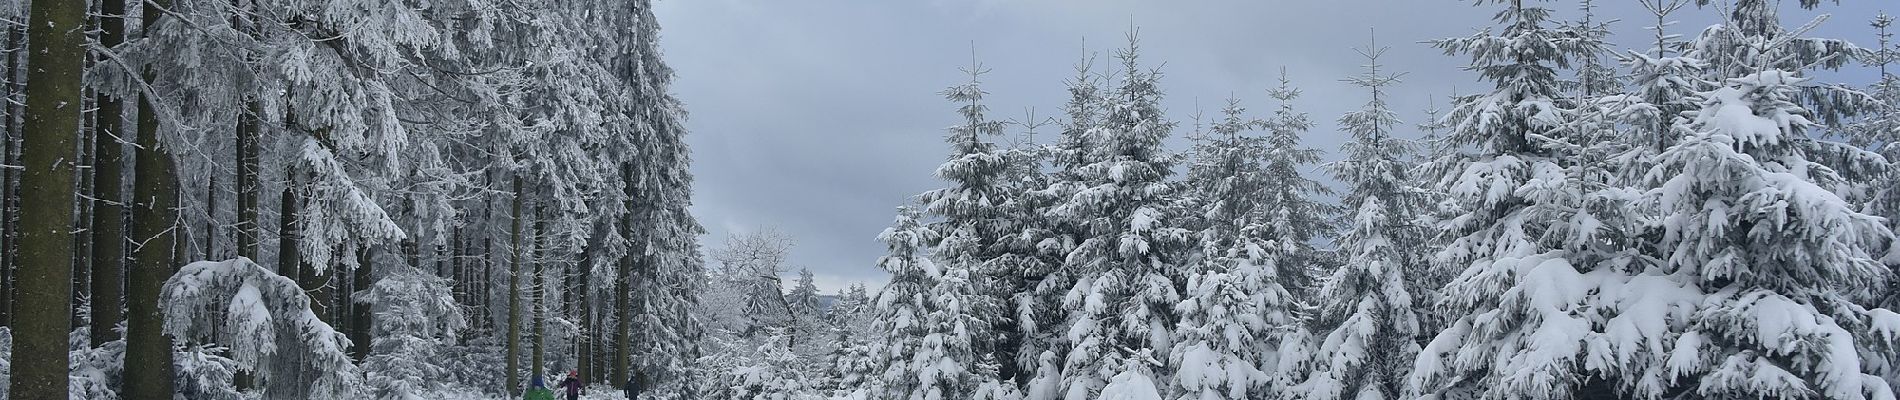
point(818, 117)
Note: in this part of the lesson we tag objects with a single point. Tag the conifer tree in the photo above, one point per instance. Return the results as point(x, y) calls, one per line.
point(974, 222)
point(1364, 330)
point(1295, 217)
point(1126, 261)
point(1040, 315)
point(1234, 301)
point(804, 295)
point(1748, 161)
point(907, 319)
point(1880, 129)
point(1504, 213)
point(1794, 277)
point(1664, 80)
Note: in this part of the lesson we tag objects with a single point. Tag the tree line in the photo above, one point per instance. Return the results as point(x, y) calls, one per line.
point(1692, 216)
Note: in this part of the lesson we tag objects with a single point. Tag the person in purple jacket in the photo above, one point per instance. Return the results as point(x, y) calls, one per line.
point(573, 385)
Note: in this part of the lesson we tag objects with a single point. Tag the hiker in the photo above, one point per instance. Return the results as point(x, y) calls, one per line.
point(538, 390)
point(573, 384)
point(633, 387)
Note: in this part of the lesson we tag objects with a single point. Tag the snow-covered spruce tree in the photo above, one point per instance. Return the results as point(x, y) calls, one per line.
point(1134, 382)
point(850, 365)
point(267, 324)
point(416, 314)
point(1363, 334)
point(1594, 74)
point(1751, 44)
point(1748, 224)
point(1294, 214)
point(1510, 338)
point(1751, 38)
point(1234, 301)
point(1437, 157)
point(1126, 261)
point(641, 126)
point(975, 283)
point(1767, 265)
point(851, 368)
point(991, 221)
point(1879, 130)
point(852, 313)
point(1664, 80)
point(775, 373)
point(811, 336)
point(903, 313)
point(1039, 313)
point(804, 295)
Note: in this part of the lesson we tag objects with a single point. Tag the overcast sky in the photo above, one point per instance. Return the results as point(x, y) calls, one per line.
point(819, 117)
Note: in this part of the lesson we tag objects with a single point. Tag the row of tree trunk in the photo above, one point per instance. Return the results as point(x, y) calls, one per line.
point(75, 238)
point(45, 149)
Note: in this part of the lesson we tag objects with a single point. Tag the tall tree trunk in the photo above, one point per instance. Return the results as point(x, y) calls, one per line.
point(7, 114)
point(514, 295)
point(539, 291)
point(211, 218)
point(485, 299)
point(148, 372)
point(461, 280)
point(623, 284)
point(57, 51)
point(623, 349)
point(82, 211)
point(289, 258)
point(183, 236)
point(10, 192)
point(445, 265)
point(82, 205)
point(360, 318)
point(108, 187)
point(247, 182)
point(583, 342)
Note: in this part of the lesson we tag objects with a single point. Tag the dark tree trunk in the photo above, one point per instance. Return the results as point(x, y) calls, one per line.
point(623, 284)
point(461, 280)
point(623, 323)
point(211, 218)
point(584, 343)
point(289, 258)
point(539, 290)
point(10, 191)
point(247, 181)
point(82, 220)
point(108, 186)
point(148, 372)
point(57, 50)
point(514, 295)
point(360, 318)
point(485, 299)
